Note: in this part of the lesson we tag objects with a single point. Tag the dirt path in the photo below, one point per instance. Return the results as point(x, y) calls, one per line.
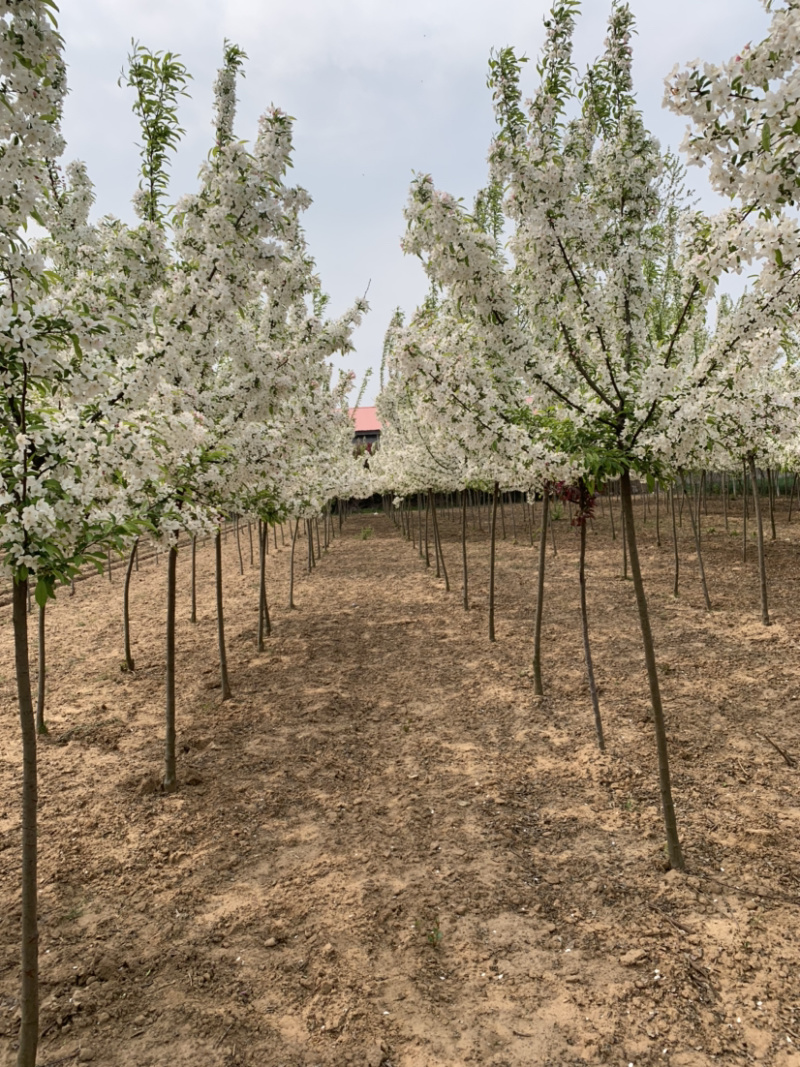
point(386, 852)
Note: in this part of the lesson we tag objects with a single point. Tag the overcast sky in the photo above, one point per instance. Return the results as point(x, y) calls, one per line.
point(379, 89)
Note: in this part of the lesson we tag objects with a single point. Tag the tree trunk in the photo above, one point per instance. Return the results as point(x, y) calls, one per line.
point(492, 546)
point(587, 652)
point(263, 609)
point(771, 487)
point(537, 629)
point(194, 578)
point(464, 546)
point(696, 531)
point(291, 564)
point(223, 655)
point(170, 778)
point(250, 536)
point(126, 616)
point(744, 511)
point(675, 543)
point(667, 807)
point(41, 727)
point(762, 566)
point(791, 496)
point(239, 545)
point(427, 541)
point(438, 540)
point(658, 515)
point(29, 992)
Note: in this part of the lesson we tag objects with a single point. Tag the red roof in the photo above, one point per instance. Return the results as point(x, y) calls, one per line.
point(366, 420)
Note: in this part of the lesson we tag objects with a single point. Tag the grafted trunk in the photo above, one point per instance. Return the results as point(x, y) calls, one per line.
point(674, 851)
point(29, 991)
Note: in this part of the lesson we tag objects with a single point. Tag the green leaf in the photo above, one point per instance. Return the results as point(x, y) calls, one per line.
point(766, 137)
point(44, 590)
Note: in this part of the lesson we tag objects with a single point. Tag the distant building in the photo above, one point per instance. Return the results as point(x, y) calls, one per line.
point(367, 428)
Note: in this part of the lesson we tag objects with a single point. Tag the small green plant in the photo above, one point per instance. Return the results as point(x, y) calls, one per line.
point(556, 510)
point(629, 804)
point(433, 934)
point(366, 533)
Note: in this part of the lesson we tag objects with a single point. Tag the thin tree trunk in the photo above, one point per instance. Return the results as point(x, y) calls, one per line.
point(674, 851)
point(291, 564)
point(762, 566)
point(194, 578)
point(675, 543)
point(464, 546)
point(250, 536)
point(791, 496)
point(239, 545)
point(319, 550)
point(744, 511)
point(126, 616)
point(170, 778)
point(696, 531)
point(29, 992)
point(611, 513)
point(263, 610)
point(438, 540)
point(624, 542)
point(553, 533)
point(724, 488)
point(223, 655)
point(771, 488)
point(41, 727)
point(427, 544)
point(658, 515)
point(587, 652)
point(492, 546)
point(537, 629)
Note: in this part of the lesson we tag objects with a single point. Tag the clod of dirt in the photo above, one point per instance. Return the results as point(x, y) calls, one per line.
point(630, 959)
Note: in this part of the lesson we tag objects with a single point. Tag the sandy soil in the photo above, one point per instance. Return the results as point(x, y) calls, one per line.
point(385, 851)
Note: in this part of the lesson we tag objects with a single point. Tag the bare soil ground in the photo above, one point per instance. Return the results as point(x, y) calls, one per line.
point(384, 850)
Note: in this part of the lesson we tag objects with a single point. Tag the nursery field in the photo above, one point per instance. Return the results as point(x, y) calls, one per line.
point(384, 850)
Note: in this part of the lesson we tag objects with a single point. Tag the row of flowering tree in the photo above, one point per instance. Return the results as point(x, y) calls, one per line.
point(158, 377)
point(594, 342)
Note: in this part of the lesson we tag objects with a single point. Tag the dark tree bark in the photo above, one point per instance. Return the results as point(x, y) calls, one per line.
point(698, 549)
point(223, 655)
point(250, 536)
point(438, 541)
point(263, 609)
point(762, 566)
point(126, 615)
point(492, 548)
point(464, 546)
point(674, 851)
point(29, 992)
point(239, 544)
point(291, 564)
point(170, 778)
point(194, 578)
point(675, 543)
point(41, 675)
point(587, 652)
point(537, 629)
